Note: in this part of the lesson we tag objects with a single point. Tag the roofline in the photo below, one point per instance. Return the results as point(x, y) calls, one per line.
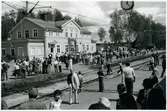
point(73, 22)
point(16, 25)
point(25, 18)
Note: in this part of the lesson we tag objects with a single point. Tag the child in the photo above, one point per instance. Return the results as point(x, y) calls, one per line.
point(57, 100)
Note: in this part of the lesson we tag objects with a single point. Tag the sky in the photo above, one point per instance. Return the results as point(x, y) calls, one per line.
point(97, 11)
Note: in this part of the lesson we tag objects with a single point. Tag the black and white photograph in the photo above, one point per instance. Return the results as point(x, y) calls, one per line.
point(83, 55)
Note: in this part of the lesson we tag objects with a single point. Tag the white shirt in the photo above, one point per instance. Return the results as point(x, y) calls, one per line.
point(17, 67)
point(56, 62)
point(75, 81)
point(26, 63)
point(55, 105)
point(128, 72)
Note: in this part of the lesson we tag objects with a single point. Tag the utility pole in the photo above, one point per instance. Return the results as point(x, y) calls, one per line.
point(26, 6)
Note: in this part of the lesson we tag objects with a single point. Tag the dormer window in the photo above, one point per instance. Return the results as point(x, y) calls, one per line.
point(18, 34)
point(35, 32)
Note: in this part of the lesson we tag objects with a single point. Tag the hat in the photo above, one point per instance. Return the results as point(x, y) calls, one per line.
point(105, 101)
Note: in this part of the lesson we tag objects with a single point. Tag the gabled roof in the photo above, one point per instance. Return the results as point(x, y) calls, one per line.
point(52, 25)
point(60, 23)
point(49, 25)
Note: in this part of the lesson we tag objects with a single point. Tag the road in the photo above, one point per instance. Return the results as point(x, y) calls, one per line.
point(90, 92)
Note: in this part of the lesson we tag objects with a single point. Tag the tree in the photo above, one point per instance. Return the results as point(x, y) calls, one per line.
point(21, 14)
point(8, 22)
point(115, 30)
point(78, 21)
point(57, 15)
point(45, 15)
point(101, 33)
point(67, 17)
point(41, 15)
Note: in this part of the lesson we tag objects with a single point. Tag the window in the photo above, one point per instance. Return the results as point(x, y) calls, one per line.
point(26, 34)
point(76, 35)
point(32, 51)
point(35, 32)
point(66, 48)
point(71, 34)
point(51, 49)
point(66, 34)
point(12, 52)
point(58, 48)
point(20, 51)
point(3, 52)
point(18, 34)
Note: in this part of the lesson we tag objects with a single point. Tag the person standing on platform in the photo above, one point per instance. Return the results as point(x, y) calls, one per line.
point(129, 78)
point(126, 100)
point(59, 65)
point(101, 82)
point(163, 65)
point(80, 80)
point(45, 66)
point(152, 62)
point(71, 63)
point(120, 71)
point(56, 65)
point(108, 65)
point(4, 70)
point(73, 82)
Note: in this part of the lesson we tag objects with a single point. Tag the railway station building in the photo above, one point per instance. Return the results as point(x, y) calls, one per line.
point(38, 38)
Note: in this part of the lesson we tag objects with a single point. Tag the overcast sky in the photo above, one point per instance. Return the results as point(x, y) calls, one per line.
point(97, 10)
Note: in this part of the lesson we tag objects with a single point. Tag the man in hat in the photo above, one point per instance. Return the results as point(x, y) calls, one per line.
point(103, 103)
point(73, 83)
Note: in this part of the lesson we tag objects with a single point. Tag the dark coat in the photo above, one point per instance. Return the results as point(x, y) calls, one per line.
point(69, 79)
point(141, 98)
point(156, 99)
point(164, 63)
point(126, 101)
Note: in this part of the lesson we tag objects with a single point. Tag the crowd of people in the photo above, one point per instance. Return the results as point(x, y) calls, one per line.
point(50, 65)
point(150, 97)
